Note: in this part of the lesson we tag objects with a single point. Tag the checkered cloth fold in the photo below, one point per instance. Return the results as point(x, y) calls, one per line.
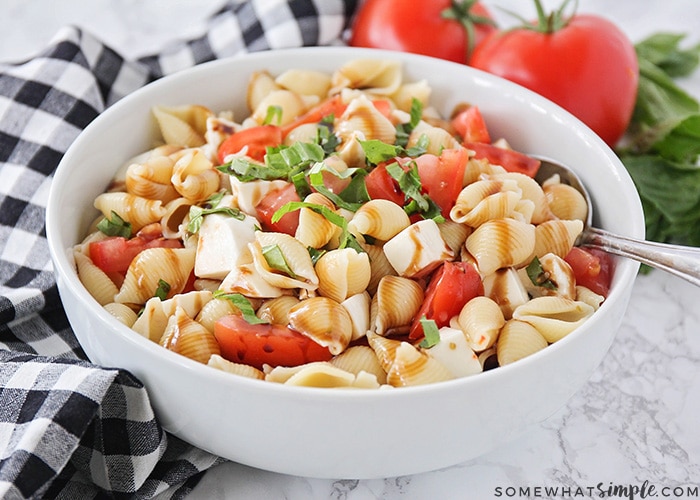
point(69, 428)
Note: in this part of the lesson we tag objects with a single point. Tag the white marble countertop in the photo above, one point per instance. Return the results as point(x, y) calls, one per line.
point(635, 421)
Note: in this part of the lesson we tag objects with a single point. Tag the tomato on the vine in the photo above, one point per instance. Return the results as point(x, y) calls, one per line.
point(584, 63)
point(447, 29)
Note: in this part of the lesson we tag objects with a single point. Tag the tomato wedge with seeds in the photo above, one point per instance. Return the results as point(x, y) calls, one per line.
point(265, 344)
point(258, 139)
point(273, 201)
point(380, 185)
point(511, 160)
point(442, 176)
point(453, 285)
point(592, 269)
point(471, 126)
point(114, 254)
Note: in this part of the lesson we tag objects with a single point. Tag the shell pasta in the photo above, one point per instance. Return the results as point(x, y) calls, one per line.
point(341, 234)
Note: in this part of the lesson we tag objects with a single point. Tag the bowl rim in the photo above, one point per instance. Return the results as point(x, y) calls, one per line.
point(625, 271)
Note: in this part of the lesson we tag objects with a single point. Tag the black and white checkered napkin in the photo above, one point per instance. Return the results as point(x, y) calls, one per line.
point(69, 429)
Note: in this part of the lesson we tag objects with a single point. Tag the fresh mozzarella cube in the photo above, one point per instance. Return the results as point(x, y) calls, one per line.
point(506, 289)
point(249, 194)
point(418, 249)
point(454, 353)
point(358, 307)
point(223, 244)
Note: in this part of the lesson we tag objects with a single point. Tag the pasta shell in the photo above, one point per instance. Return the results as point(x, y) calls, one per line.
point(152, 321)
point(376, 77)
point(216, 361)
point(305, 82)
point(485, 200)
point(305, 132)
point(559, 278)
point(290, 103)
point(149, 268)
point(123, 313)
point(554, 317)
point(247, 280)
point(351, 151)
point(94, 279)
point(477, 169)
point(151, 179)
point(260, 85)
point(556, 236)
point(384, 349)
point(438, 138)
point(404, 95)
point(517, 340)
point(565, 201)
point(133, 209)
point(214, 310)
point(314, 230)
point(277, 310)
point(323, 320)
point(360, 358)
point(394, 305)
point(379, 266)
point(481, 319)
point(185, 336)
point(182, 125)
point(380, 219)
point(501, 243)
point(195, 177)
point(454, 234)
point(588, 296)
point(361, 115)
point(532, 191)
point(174, 221)
point(342, 273)
point(411, 368)
point(296, 257)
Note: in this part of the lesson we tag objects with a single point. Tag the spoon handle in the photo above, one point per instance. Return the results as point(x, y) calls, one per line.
point(678, 260)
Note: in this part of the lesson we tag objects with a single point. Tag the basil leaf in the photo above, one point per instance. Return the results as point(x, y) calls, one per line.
point(431, 332)
point(116, 226)
point(197, 216)
point(275, 259)
point(662, 50)
point(317, 182)
point(162, 290)
point(242, 304)
point(409, 182)
point(538, 276)
point(274, 113)
point(377, 151)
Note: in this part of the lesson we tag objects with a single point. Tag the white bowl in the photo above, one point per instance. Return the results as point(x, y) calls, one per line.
point(339, 433)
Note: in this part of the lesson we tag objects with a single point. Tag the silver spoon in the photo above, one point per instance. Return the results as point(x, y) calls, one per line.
point(678, 260)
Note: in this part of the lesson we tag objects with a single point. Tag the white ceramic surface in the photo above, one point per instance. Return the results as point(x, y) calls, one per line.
point(327, 433)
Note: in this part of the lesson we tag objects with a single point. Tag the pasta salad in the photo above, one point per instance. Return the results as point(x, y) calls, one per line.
point(343, 234)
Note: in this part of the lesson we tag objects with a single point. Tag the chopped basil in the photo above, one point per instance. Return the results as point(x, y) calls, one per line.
point(351, 200)
point(325, 136)
point(275, 259)
point(242, 304)
point(431, 332)
point(410, 185)
point(403, 130)
point(538, 276)
point(274, 113)
point(162, 290)
point(347, 240)
point(116, 226)
point(377, 151)
point(315, 254)
point(197, 216)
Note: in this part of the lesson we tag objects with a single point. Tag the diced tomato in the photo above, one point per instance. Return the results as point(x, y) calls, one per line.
point(332, 106)
point(470, 125)
point(592, 269)
point(380, 185)
point(114, 254)
point(512, 161)
point(453, 285)
point(272, 202)
point(442, 176)
point(274, 345)
point(383, 106)
point(258, 139)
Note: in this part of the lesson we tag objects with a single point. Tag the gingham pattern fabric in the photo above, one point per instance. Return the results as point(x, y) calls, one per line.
point(69, 429)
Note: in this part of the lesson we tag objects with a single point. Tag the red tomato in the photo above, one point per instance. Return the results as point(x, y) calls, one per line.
point(442, 176)
point(114, 254)
point(381, 185)
point(256, 345)
point(588, 66)
point(470, 125)
point(421, 28)
point(272, 202)
point(258, 139)
point(511, 160)
point(453, 285)
point(592, 269)
point(332, 106)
